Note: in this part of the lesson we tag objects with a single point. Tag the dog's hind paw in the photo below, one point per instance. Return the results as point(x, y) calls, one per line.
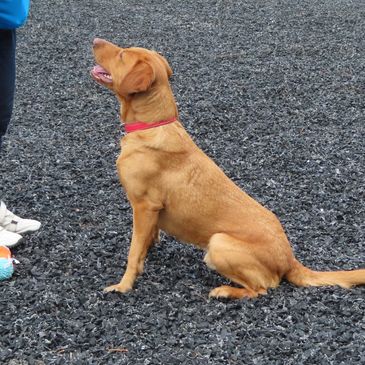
point(117, 288)
point(226, 291)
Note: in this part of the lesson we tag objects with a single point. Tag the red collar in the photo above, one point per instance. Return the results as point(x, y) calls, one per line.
point(138, 126)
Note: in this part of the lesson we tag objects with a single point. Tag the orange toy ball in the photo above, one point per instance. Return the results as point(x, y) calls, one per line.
point(5, 252)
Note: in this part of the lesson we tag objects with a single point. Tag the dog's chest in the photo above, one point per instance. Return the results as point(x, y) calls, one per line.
point(139, 174)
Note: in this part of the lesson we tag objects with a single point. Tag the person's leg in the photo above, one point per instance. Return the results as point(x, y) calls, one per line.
point(7, 78)
point(10, 225)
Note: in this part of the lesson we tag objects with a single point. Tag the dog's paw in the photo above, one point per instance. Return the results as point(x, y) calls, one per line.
point(117, 288)
point(220, 292)
point(226, 291)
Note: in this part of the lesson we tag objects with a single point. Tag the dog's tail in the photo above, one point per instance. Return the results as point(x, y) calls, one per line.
point(302, 276)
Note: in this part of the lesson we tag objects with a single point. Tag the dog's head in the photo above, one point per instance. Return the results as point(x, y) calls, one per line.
point(128, 71)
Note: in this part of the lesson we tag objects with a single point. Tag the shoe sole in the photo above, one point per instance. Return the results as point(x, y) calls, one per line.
point(26, 231)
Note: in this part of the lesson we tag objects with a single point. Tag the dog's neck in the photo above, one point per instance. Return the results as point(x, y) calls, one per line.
point(154, 105)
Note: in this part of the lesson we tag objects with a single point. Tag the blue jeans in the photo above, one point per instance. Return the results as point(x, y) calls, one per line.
point(7, 77)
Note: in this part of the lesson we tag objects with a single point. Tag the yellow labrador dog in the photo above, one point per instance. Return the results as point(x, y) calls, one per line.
point(173, 186)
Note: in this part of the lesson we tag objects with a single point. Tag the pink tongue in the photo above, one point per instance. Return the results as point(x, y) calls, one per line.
point(99, 69)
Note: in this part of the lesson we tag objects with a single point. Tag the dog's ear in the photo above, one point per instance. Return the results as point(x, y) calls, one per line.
point(166, 64)
point(139, 79)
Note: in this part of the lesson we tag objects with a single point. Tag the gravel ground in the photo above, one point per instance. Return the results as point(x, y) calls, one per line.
point(274, 91)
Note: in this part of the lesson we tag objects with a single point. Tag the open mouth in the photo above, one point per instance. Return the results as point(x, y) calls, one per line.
point(100, 74)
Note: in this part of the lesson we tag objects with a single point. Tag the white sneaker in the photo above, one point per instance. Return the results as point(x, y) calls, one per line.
point(9, 239)
point(14, 224)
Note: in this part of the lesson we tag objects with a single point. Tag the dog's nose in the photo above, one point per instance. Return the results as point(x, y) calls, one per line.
point(98, 41)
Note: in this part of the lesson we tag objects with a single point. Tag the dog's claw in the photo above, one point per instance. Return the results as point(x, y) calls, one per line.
point(117, 288)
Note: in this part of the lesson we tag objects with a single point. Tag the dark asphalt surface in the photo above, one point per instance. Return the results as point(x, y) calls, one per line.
point(274, 91)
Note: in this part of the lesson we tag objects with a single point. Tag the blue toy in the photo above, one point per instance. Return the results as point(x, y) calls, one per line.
point(6, 268)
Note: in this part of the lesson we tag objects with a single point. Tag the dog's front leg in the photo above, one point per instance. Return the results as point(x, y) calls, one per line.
point(145, 218)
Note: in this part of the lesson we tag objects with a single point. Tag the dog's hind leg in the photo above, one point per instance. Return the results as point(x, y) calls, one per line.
point(239, 262)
